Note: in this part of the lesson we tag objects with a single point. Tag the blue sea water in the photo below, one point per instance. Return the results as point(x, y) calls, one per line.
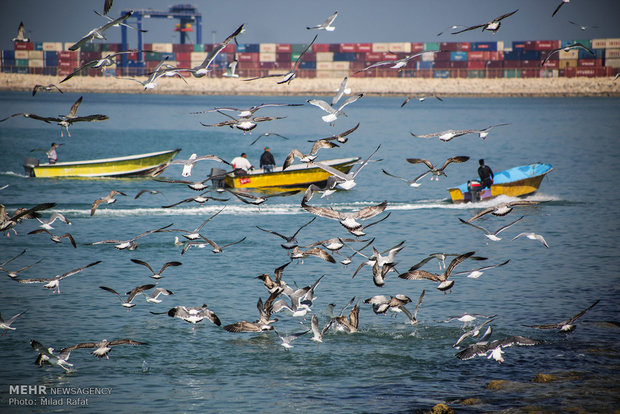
point(389, 365)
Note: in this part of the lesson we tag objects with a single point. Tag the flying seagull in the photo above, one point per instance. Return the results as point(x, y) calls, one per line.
point(45, 88)
point(566, 325)
point(492, 235)
point(47, 356)
point(583, 27)
point(445, 135)
point(492, 26)
point(6, 325)
point(327, 25)
point(341, 137)
point(55, 238)
point(347, 219)
point(396, 64)
point(189, 163)
point(131, 243)
point(268, 134)
point(200, 199)
point(562, 3)
point(97, 33)
point(54, 282)
point(245, 112)
point(476, 273)
point(107, 60)
point(245, 124)
point(533, 236)
point(8, 223)
point(103, 348)
point(21, 33)
point(127, 303)
point(502, 209)
point(346, 181)
point(333, 113)
point(342, 90)
point(216, 248)
point(109, 199)
point(495, 347)
point(156, 275)
point(290, 241)
point(421, 99)
point(192, 315)
point(257, 200)
point(432, 169)
point(576, 45)
point(444, 283)
point(286, 340)
point(264, 323)
point(288, 77)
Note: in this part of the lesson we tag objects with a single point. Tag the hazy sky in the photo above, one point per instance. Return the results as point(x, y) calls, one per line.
point(285, 21)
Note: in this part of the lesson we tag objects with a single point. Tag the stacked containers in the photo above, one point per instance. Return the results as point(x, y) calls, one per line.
point(67, 62)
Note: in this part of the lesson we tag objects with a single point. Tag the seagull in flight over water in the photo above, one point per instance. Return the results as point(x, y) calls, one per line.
point(492, 26)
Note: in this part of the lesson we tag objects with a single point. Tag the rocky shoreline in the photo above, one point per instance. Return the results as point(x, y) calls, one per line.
point(461, 87)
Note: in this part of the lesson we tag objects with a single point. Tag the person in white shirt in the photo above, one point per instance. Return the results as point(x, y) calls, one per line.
point(52, 157)
point(241, 164)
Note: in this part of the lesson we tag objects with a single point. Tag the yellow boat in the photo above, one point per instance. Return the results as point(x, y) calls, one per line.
point(514, 182)
point(297, 175)
point(150, 164)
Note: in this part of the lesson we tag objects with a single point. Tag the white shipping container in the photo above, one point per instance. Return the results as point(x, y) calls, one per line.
point(400, 47)
point(428, 57)
point(341, 65)
point(324, 65)
point(267, 56)
point(198, 56)
point(570, 54)
point(35, 54)
point(599, 43)
point(500, 45)
point(612, 63)
point(21, 54)
point(612, 53)
point(52, 46)
point(267, 48)
point(381, 47)
point(324, 56)
point(162, 47)
point(35, 63)
point(612, 44)
point(67, 45)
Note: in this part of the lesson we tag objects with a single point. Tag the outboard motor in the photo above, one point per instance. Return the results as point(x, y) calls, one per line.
point(474, 187)
point(29, 164)
point(217, 178)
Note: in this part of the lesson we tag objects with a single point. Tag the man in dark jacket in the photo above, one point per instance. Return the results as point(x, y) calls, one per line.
point(486, 174)
point(266, 161)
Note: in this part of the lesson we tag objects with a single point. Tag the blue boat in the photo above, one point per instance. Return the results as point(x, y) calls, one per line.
point(514, 182)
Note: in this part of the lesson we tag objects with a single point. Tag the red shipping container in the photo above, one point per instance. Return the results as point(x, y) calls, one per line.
point(184, 63)
point(547, 44)
point(417, 47)
point(183, 56)
point(23, 46)
point(442, 56)
point(544, 53)
point(35, 71)
point(283, 57)
point(284, 48)
point(494, 73)
point(512, 64)
point(348, 47)
point(114, 47)
point(459, 73)
point(268, 65)
point(230, 48)
point(68, 56)
point(458, 64)
point(182, 48)
point(390, 56)
point(494, 64)
point(88, 56)
point(589, 62)
point(64, 71)
point(357, 65)
point(530, 64)
point(499, 55)
point(251, 64)
point(207, 47)
point(441, 64)
point(132, 56)
point(371, 57)
point(309, 57)
point(476, 55)
point(67, 64)
point(448, 46)
point(529, 45)
point(318, 47)
point(148, 47)
point(248, 57)
point(551, 64)
point(476, 64)
point(530, 73)
point(95, 72)
point(463, 46)
point(364, 47)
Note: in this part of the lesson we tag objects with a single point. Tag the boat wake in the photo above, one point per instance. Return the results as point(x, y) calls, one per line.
point(13, 174)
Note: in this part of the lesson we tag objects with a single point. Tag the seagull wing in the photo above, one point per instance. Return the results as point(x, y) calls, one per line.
point(503, 16)
point(457, 260)
point(470, 28)
point(327, 212)
point(316, 102)
point(450, 160)
point(507, 225)
point(419, 275)
point(75, 107)
point(211, 56)
point(421, 161)
point(79, 269)
point(298, 61)
point(145, 264)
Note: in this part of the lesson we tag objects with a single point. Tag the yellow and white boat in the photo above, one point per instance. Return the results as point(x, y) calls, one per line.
point(297, 175)
point(140, 165)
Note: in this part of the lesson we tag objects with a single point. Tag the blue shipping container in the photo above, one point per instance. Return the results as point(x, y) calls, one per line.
point(529, 55)
point(458, 56)
point(344, 57)
point(441, 74)
point(307, 64)
point(422, 64)
point(514, 55)
point(584, 54)
point(484, 46)
point(249, 48)
point(518, 45)
point(8, 54)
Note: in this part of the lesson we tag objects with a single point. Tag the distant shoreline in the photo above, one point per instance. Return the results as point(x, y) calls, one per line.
point(453, 87)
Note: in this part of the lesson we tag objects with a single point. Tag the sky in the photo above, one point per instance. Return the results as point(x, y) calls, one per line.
point(285, 21)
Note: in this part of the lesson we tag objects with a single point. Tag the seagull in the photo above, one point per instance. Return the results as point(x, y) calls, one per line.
point(474, 332)
point(13, 273)
point(156, 275)
point(109, 199)
point(127, 303)
point(467, 318)
point(347, 219)
point(492, 26)
point(332, 113)
point(495, 347)
point(533, 236)
point(152, 298)
point(264, 323)
point(347, 260)
point(46, 355)
point(562, 3)
point(297, 253)
point(327, 25)
point(436, 171)
point(483, 133)
point(107, 5)
point(189, 163)
point(444, 283)
point(453, 27)
point(295, 153)
point(54, 282)
point(245, 124)
point(317, 334)
point(193, 185)
point(341, 138)
point(286, 340)
point(200, 199)
point(147, 191)
point(107, 60)
point(445, 135)
point(342, 90)
point(97, 33)
point(396, 64)
point(21, 33)
point(441, 258)
point(412, 183)
point(290, 241)
point(245, 112)
point(583, 27)
point(192, 315)
point(301, 300)
point(476, 273)
point(48, 223)
point(492, 235)
point(157, 73)
point(103, 347)
point(381, 265)
point(381, 304)
point(195, 234)
point(334, 244)
point(64, 121)
point(288, 77)
point(6, 325)
point(360, 232)
point(421, 99)
point(231, 70)
point(576, 45)
point(55, 238)
point(268, 134)
point(350, 323)
point(45, 88)
point(257, 200)
point(274, 285)
point(502, 209)
point(120, 24)
point(346, 181)
point(328, 189)
point(216, 248)
point(567, 325)
point(131, 243)
point(7, 223)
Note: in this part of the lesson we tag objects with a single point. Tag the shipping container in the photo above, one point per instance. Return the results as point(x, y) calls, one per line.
point(50, 71)
point(598, 53)
point(609, 53)
point(430, 46)
point(8, 55)
point(182, 48)
point(283, 57)
point(399, 47)
point(612, 63)
point(200, 56)
point(518, 45)
point(512, 64)
point(494, 64)
point(444, 74)
point(547, 44)
point(284, 47)
point(23, 46)
point(324, 56)
point(323, 66)
point(52, 46)
point(458, 56)
point(248, 48)
point(308, 65)
point(316, 48)
point(442, 55)
point(364, 47)
point(422, 65)
point(268, 65)
point(458, 64)
point(300, 47)
point(599, 43)
point(476, 64)
point(38, 46)
point(267, 56)
point(612, 43)
point(161, 47)
point(267, 48)
point(21, 54)
point(90, 47)
point(68, 56)
point(380, 47)
point(571, 54)
point(199, 47)
point(448, 46)
point(586, 42)
point(417, 47)
point(490, 46)
point(372, 57)
point(21, 62)
point(347, 48)
point(428, 57)
point(441, 64)
point(590, 62)
point(230, 48)
point(552, 64)
point(567, 63)
point(346, 56)
point(476, 74)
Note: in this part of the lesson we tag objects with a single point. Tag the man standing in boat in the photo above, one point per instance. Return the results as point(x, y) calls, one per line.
point(241, 164)
point(52, 157)
point(267, 162)
point(486, 174)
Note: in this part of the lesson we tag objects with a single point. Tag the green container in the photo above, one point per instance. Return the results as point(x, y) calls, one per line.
point(199, 47)
point(38, 46)
point(428, 46)
point(295, 56)
point(298, 48)
point(21, 62)
point(91, 47)
point(153, 56)
point(512, 73)
point(475, 73)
